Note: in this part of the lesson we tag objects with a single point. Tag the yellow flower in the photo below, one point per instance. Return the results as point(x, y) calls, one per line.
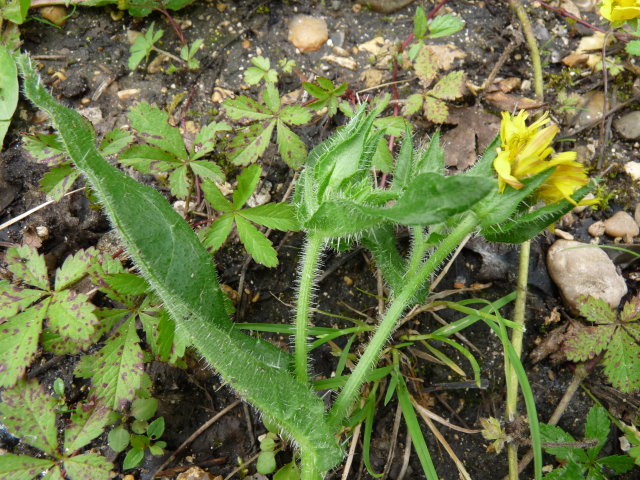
point(525, 151)
point(616, 10)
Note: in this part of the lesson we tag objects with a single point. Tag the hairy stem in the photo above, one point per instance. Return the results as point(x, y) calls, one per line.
point(511, 409)
point(310, 259)
point(349, 394)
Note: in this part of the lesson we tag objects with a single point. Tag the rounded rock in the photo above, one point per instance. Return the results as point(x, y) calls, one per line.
point(621, 225)
point(308, 33)
point(629, 125)
point(586, 271)
point(596, 229)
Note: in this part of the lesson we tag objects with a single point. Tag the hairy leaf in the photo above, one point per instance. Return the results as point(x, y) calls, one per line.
point(179, 269)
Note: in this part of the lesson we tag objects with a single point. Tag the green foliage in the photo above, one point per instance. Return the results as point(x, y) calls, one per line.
point(440, 26)
point(633, 47)
point(14, 11)
point(278, 216)
point(188, 53)
point(326, 94)
point(29, 413)
point(433, 101)
point(143, 46)
point(579, 462)
point(9, 90)
point(266, 462)
point(190, 291)
point(616, 335)
point(251, 142)
point(164, 149)
point(145, 434)
point(47, 149)
point(261, 70)
point(34, 308)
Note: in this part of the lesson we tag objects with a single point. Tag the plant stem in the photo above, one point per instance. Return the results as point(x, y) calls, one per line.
point(511, 409)
point(310, 258)
point(349, 394)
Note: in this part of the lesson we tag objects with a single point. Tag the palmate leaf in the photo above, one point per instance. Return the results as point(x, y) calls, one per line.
point(28, 412)
point(250, 144)
point(115, 141)
point(206, 139)
point(179, 269)
point(207, 170)
point(148, 159)
point(245, 110)
point(21, 467)
point(116, 370)
point(587, 342)
point(19, 343)
point(218, 232)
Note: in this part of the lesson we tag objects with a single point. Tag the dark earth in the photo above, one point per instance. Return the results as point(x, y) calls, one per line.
point(92, 49)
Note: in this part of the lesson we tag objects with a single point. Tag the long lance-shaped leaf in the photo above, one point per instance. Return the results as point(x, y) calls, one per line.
point(179, 269)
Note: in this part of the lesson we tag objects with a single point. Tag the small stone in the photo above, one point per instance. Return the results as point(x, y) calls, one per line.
point(93, 114)
point(347, 280)
point(128, 93)
point(345, 62)
point(129, 477)
point(42, 231)
point(195, 473)
point(633, 169)
point(591, 109)
point(622, 225)
point(261, 197)
point(308, 33)
point(629, 125)
point(596, 229)
point(585, 5)
point(562, 234)
point(585, 271)
point(55, 14)
point(636, 214)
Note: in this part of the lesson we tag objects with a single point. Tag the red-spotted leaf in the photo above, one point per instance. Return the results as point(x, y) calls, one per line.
point(27, 265)
point(74, 268)
point(88, 466)
point(87, 423)
point(116, 370)
point(71, 315)
point(29, 413)
point(14, 299)
point(20, 467)
point(19, 343)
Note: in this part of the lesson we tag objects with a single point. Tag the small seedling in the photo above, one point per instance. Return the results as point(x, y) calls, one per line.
point(164, 149)
point(29, 413)
point(279, 216)
point(441, 26)
point(579, 463)
point(143, 46)
point(261, 70)
point(260, 120)
point(326, 94)
point(617, 336)
point(145, 435)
